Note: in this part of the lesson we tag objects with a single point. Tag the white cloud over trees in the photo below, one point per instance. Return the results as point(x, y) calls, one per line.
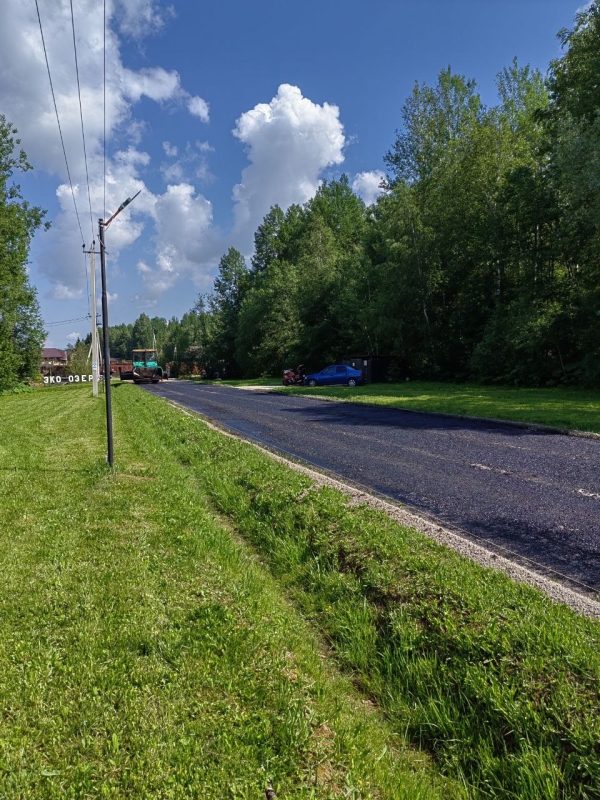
point(290, 141)
point(368, 185)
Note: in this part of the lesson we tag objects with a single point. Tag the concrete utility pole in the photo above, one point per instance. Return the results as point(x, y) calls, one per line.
point(95, 353)
point(102, 226)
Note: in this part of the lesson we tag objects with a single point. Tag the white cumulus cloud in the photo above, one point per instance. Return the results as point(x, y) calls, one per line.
point(368, 185)
point(198, 108)
point(27, 103)
point(290, 141)
point(172, 173)
point(186, 243)
point(138, 18)
point(154, 82)
point(62, 292)
point(192, 162)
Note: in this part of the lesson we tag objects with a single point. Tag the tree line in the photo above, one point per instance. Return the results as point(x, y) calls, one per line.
point(21, 329)
point(480, 260)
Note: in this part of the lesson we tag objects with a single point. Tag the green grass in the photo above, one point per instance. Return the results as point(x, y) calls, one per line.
point(144, 650)
point(497, 683)
point(574, 409)
point(148, 653)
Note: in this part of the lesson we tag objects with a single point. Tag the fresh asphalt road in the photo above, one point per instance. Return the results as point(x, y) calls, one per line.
point(536, 493)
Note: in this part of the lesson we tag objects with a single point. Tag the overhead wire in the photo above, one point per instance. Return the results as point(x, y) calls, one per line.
point(65, 321)
point(104, 110)
point(62, 141)
point(87, 175)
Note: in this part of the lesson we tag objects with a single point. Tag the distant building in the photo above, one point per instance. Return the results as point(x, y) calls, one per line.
point(119, 365)
point(53, 361)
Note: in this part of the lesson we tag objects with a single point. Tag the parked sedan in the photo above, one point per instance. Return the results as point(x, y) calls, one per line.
point(336, 375)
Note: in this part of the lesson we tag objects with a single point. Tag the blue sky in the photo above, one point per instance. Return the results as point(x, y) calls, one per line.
point(182, 77)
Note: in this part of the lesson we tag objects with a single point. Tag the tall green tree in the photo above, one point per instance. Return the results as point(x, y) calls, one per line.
point(438, 177)
point(120, 340)
point(268, 329)
point(159, 328)
point(21, 328)
point(225, 302)
point(330, 271)
point(574, 83)
point(268, 243)
point(433, 117)
point(79, 360)
point(142, 334)
point(574, 120)
point(268, 325)
point(473, 185)
point(402, 278)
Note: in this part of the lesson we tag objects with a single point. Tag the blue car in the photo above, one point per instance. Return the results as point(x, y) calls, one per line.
point(336, 375)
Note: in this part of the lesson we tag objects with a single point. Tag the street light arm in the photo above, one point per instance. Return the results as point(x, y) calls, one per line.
point(120, 208)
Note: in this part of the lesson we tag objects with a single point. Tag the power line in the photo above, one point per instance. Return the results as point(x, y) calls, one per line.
point(104, 113)
point(62, 141)
point(66, 321)
point(87, 176)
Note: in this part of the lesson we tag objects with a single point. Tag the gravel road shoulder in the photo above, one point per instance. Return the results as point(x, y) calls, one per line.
point(555, 591)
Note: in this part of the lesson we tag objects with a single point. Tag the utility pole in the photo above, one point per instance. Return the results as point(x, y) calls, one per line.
point(102, 226)
point(106, 348)
point(95, 353)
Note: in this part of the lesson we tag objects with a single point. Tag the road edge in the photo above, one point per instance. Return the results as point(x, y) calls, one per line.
point(555, 591)
point(530, 426)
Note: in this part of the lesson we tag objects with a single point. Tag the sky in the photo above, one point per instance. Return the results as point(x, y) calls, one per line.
point(217, 110)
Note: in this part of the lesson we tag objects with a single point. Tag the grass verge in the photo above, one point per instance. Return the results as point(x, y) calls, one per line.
point(497, 683)
point(144, 651)
point(573, 409)
point(147, 653)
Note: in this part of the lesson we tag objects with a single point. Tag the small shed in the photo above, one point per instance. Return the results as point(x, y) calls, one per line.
point(374, 368)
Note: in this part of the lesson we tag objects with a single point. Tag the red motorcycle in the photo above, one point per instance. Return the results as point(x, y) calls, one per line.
point(291, 378)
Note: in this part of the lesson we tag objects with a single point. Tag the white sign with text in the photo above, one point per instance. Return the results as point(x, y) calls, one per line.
point(68, 379)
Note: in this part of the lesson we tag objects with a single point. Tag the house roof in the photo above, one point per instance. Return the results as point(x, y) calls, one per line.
point(53, 352)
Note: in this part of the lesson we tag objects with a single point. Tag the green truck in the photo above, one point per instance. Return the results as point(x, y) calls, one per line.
point(145, 367)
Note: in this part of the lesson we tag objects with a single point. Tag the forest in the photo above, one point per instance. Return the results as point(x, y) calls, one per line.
point(21, 328)
point(480, 260)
